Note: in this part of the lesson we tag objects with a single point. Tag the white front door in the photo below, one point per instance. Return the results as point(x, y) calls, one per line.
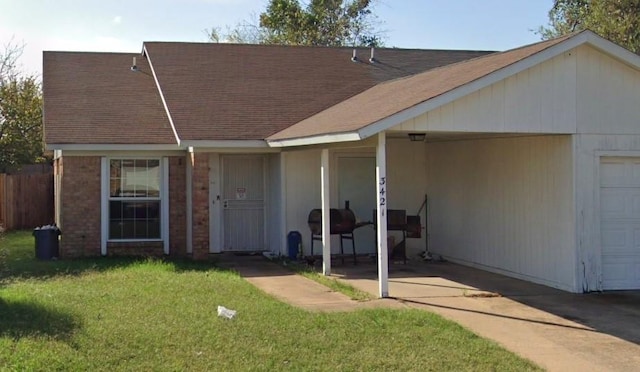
point(243, 202)
point(620, 222)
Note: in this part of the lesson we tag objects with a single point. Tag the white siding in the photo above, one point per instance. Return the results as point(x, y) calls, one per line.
point(275, 207)
point(620, 222)
point(407, 183)
point(505, 205)
point(608, 94)
point(406, 164)
point(589, 150)
point(541, 99)
point(302, 193)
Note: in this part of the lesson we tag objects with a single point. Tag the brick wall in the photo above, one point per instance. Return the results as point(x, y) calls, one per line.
point(200, 193)
point(80, 206)
point(135, 249)
point(177, 206)
point(80, 210)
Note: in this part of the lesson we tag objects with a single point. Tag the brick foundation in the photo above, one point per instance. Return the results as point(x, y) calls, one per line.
point(151, 249)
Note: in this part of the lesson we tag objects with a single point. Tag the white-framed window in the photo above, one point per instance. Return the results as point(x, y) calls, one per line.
point(135, 190)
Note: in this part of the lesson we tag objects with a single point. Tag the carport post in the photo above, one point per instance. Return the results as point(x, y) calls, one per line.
point(381, 209)
point(326, 212)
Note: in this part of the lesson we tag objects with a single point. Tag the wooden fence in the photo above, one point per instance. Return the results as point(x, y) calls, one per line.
point(26, 200)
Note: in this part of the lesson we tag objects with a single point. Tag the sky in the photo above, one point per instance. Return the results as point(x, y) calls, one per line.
point(123, 25)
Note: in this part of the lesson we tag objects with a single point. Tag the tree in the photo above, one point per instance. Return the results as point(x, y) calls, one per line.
point(616, 20)
point(20, 114)
point(320, 22)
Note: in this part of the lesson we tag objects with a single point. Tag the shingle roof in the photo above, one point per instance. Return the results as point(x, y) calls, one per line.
point(386, 99)
point(94, 98)
point(249, 92)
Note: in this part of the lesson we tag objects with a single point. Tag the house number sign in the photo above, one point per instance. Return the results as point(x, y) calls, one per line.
point(382, 197)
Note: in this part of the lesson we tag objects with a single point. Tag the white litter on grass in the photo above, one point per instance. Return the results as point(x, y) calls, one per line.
point(226, 313)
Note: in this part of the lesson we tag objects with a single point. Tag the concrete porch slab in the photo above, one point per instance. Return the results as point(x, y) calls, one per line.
point(559, 331)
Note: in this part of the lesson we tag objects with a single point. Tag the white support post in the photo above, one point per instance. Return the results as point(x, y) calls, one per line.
point(164, 204)
point(381, 228)
point(104, 204)
point(189, 197)
point(326, 213)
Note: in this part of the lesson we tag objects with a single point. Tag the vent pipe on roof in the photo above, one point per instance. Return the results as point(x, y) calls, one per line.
point(354, 58)
point(134, 67)
point(372, 59)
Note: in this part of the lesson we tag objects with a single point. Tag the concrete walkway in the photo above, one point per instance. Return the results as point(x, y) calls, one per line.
point(556, 330)
point(298, 290)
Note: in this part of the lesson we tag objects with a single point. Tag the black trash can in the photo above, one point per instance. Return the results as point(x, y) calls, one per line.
point(47, 246)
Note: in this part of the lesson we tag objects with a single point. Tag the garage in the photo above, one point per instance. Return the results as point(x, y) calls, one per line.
point(620, 222)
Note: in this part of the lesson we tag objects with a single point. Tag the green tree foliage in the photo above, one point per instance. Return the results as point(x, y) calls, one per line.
point(320, 22)
point(616, 20)
point(20, 114)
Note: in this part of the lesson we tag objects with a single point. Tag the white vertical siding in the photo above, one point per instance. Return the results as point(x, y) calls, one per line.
point(589, 150)
point(608, 94)
point(406, 174)
point(275, 206)
point(580, 91)
point(302, 193)
point(541, 99)
point(407, 183)
point(505, 205)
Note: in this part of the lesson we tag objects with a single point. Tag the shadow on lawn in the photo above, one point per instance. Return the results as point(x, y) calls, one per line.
point(24, 266)
point(25, 319)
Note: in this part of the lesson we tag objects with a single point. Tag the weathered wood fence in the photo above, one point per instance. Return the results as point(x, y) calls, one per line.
point(26, 200)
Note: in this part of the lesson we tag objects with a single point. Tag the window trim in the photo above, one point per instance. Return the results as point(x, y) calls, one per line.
point(163, 198)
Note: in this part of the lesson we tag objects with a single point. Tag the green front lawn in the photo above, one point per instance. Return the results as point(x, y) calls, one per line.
point(128, 314)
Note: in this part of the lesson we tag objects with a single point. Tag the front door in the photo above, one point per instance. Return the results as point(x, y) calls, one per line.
point(243, 194)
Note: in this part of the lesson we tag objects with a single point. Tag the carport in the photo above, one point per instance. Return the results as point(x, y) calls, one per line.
point(526, 159)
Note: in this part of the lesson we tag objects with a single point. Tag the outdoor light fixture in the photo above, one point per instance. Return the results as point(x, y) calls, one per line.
point(417, 137)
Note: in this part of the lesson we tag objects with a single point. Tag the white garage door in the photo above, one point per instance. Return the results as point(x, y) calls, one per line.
point(620, 222)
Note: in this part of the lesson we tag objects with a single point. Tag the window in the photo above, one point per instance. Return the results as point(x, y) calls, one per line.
point(134, 199)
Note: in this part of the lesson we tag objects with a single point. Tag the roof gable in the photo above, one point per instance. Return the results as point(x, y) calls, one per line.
point(388, 104)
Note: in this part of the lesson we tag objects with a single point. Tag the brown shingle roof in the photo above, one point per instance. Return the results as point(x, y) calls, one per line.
point(230, 92)
point(94, 98)
point(386, 99)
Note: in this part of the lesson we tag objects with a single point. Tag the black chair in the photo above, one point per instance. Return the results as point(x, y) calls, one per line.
point(396, 221)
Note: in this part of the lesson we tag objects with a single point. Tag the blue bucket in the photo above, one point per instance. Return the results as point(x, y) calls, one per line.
point(294, 244)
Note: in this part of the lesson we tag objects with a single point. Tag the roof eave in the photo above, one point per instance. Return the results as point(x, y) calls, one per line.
point(315, 140)
point(112, 147)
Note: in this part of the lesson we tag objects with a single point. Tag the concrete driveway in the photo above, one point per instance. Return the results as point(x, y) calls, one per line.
point(557, 330)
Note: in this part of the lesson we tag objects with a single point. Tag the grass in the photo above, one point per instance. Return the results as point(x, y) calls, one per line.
point(332, 283)
point(146, 314)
